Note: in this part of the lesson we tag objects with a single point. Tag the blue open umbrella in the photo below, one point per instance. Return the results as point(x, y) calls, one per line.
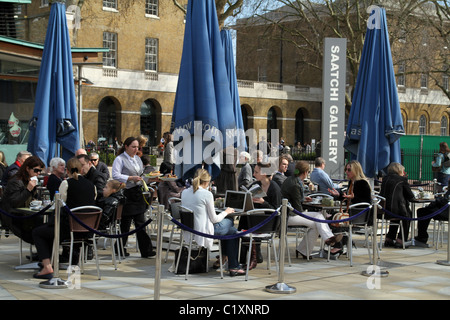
point(203, 109)
point(232, 79)
point(375, 123)
point(54, 118)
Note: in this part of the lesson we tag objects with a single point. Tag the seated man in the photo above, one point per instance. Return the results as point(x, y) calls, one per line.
point(422, 224)
point(321, 178)
point(279, 176)
point(99, 165)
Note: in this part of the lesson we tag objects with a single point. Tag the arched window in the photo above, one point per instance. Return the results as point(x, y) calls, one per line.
point(422, 125)
point(271, 122)
point(299, 125)
point(444, 126)
point(148, 122)
point(107, 120)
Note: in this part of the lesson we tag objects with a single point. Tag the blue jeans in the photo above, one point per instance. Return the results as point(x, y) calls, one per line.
point(230, 247)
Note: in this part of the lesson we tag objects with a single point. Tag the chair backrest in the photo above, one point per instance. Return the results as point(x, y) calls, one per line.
point(119, 211)
point(186, 216)
point(175, 210)
point(256, 216)
point(89, 215)
point(356, 208)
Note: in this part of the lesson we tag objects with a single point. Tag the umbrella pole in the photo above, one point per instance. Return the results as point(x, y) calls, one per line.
point(56, 282)
point(444, 262)
point(374, 270)
point(282, 287)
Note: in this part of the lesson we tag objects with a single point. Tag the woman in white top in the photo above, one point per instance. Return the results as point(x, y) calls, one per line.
point(201, 202)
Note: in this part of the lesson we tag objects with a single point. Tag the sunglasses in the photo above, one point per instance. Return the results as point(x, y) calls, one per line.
point(94, 160)
point(348, 169)
point(37, 170)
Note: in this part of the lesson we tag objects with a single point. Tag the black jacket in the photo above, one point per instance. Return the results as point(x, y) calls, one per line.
point(395, 189)
point(98, 179)
point(109, 206)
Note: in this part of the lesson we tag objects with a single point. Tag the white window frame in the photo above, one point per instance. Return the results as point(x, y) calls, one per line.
point(151, 54)
point(422, 125)
point(424, 81)
point(401, 79)
point(110, 42)
point(152, 8)
point(110, 5)
point(444, 126)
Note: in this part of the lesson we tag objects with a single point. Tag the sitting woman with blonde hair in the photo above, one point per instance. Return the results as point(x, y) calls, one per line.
point(201, 201)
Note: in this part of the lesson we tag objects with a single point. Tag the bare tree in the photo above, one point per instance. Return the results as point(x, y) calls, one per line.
point(304, 24)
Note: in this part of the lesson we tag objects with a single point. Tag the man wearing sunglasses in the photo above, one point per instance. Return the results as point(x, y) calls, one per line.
point(99, 165)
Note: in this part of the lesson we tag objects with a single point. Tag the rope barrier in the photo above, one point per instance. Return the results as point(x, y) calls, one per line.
point(330, 221)
point(429, 216)
point(226, 237)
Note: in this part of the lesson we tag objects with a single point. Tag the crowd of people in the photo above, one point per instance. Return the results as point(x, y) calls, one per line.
point(85, 180)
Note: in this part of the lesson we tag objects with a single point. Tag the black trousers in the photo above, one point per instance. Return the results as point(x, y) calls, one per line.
point(144, 241)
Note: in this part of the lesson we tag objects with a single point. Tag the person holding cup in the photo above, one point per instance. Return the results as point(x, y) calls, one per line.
point(19, 192)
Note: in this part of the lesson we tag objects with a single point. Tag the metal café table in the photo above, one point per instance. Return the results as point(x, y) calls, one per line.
point(37, 221)
point(414, 215)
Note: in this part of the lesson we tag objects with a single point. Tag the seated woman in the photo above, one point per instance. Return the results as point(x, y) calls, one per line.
point(272, 200)
point(57, 174)
point(201, 202)
point(359, 189)
point(112, 197)
point(395, 189)
point(293, 190)
point(19, 192)
point(76, 191)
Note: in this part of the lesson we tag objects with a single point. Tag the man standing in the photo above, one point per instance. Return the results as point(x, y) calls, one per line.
point(99, 165)
point(321, 178)
point(90, 173)
point(12, 169)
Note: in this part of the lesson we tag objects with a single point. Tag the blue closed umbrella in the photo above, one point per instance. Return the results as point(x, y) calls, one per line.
point(375, 123)
point(203, 102)
point(232, 79)
point(54, 118)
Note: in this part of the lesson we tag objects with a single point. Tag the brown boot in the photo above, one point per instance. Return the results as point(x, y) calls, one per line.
point(253, 258)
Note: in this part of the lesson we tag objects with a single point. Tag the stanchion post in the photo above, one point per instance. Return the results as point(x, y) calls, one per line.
point(160, 220)
point(375, 270)
point(282, 287)
point(447, 262)
point(55, 282)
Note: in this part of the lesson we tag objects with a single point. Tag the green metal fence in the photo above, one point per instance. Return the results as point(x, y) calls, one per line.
point(417, 154)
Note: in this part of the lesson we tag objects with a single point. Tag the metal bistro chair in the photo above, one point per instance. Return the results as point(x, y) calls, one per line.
point(90, 216)
point(187, 219)
point(175, 204)
point(266, 233)
point(114, 229)
point(299, 231)
point(360, 221)
point(386, 222)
